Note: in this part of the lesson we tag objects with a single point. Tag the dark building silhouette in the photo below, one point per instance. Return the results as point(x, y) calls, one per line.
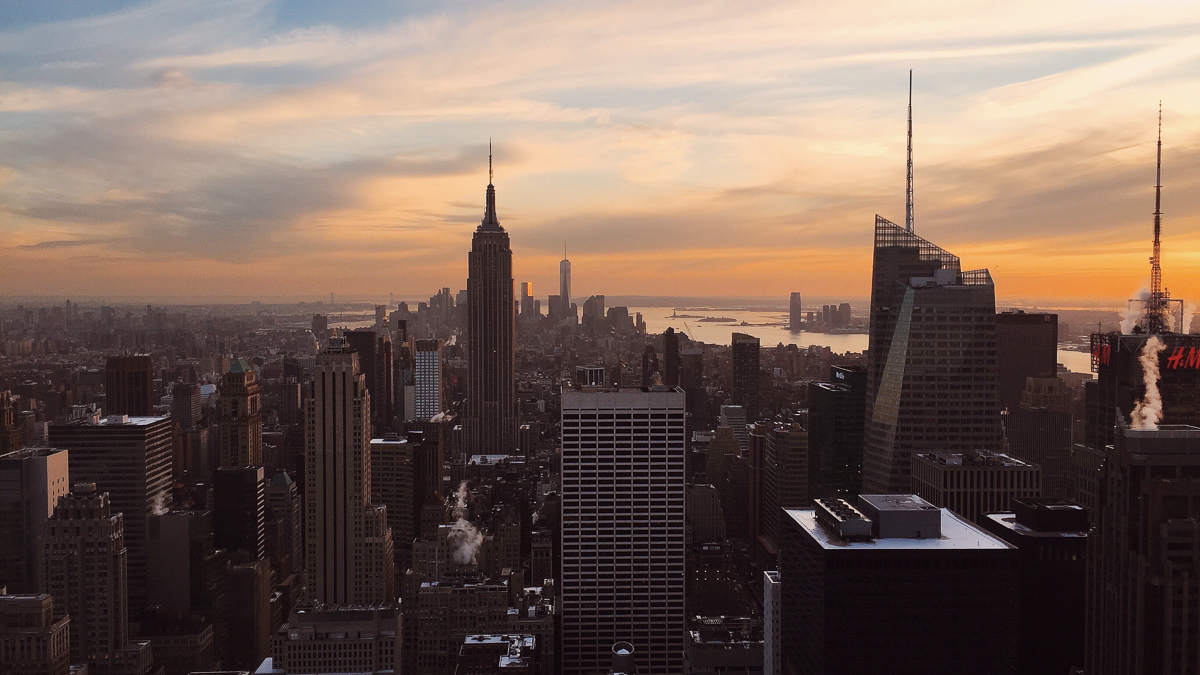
point(32, 641)
point(130, 459)
point(241, 417)
point(1039, 431)
point(1119, 382)
point(974, 484)
point(931, 370)
point(239, 510)
point(835, 432)
point(795, 314)
point(649, 365)
point(1144, 555)
point(894, 586)
point(691, 380)
point(1051, 536)
point(671, 357)
point(129, 385)
point(31, 481)
point(375, 361)
point(1026, 346)
point(744, 386)
point(491, 423)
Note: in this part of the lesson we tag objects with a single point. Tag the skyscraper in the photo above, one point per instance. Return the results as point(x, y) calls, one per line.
point(375, 363)
point(564, 285)
point(31, 481)
point(1144, 555)
point(346, 535)
point(427, 372)
point(671, 361)
point(491, 423)
point(241, 417)
point(86, 575)
point(129, 458)
point(795, 313)
point(32, 642)
point(129, 385)
point(623, 528)
point(1026, 346)
point(931, 370)
point(526, 299)
point(835, 432)
point(240, 510)
point(743, 388)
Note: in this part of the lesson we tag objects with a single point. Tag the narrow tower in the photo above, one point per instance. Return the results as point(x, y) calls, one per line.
point(908, 191)
point(491, 423)
point(1159, 301)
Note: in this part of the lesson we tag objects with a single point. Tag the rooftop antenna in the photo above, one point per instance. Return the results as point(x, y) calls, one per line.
point(908, 193)
point(1159, 301)
point(564, 249)
point(489, 160)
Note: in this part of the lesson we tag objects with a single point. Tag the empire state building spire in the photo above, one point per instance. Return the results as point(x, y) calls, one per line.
point(490, 221)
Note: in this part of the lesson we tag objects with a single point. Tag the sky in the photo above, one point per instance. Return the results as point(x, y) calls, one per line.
point(289, 149)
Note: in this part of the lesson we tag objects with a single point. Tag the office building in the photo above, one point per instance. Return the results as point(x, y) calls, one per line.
point(1051, 537)
point(795, 314)
point(1039, 431)
point(248, 612)
point(1144, 555)
point(691, 380)
point(1120, 382)
point(623, 481)
point(898, 586)
point(772, 628)
point(129, 458)
point(1026, 346)
point(349, 547)
point(240, 417)
point(564, 288)
point(11, 433)
point(671, 357)
point(836, 412)
point(32, 641)
point(284, 510)
point(428, 376)
point(392, 476)
point(374, 351)
point(31, 481)
point(185, 404)
point(336, 639)
point(974, 484)
point(497, 654)
point(320, 326)
point(240, 510)
point(744, 385)
point(85, 573)
point(491, 423)
point(129, 386)
point(526, 299)
point(785, 474)
point(186, 572)
point(718, 645)
point(931, 368)
point(650, 367)
point(449, 611)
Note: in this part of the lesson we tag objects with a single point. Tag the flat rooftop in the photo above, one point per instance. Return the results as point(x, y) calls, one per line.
point(1009, 522)
point(957, 534)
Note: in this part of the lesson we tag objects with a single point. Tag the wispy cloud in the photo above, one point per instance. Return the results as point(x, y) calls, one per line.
point(711, 147)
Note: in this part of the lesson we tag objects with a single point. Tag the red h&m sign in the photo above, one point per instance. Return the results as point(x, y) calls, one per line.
point(1184, 357)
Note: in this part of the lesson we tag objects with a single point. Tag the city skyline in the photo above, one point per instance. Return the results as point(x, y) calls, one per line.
point(679, 151)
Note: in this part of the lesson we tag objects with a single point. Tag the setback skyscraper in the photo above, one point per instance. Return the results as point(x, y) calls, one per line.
point(241, 417)
point(931, 370)
point(346, 535)
point(564, 285)
point(491, 423)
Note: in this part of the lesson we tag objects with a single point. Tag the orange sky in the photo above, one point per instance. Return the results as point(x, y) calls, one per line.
point(284, 149)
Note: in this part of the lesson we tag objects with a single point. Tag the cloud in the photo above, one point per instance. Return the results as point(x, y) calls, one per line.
point(695, 147)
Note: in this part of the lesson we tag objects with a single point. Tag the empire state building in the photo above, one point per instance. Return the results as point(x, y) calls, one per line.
point(491, 423)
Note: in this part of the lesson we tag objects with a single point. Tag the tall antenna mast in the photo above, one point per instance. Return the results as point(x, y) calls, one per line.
point(489, 160)
point(1155, 262)
point(1158, 305)
point(908, 192)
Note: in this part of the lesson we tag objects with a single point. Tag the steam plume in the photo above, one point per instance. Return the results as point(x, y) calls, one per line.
point(160, 505)
point(464, 536)
point(1133, 311)
point(1148, 412)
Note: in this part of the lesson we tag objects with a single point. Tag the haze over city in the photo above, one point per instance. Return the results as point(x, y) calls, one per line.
point(251, 149)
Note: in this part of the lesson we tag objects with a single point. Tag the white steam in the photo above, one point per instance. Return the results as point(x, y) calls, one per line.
point(464, 536)
point(1148, 412)
point(1189, 310)
point(1134, 311)
point(160, 505)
